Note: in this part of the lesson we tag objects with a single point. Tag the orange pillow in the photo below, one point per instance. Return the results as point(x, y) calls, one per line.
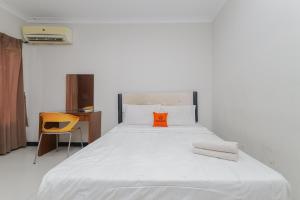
point(160, 119)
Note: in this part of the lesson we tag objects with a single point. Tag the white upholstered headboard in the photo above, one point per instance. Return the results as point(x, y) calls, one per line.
point(164, 98)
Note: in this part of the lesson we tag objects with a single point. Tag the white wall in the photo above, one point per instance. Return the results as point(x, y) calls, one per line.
point(123, 57)
point(10, 24)
point(256, 81)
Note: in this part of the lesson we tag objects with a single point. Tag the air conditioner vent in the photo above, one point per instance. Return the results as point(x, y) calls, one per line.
point(45, 39)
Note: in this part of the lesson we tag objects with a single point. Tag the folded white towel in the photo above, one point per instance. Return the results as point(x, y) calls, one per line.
point(217, 154)
point(222, 146)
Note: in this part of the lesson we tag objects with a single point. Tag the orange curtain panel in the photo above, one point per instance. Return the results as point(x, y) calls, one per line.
point(12, 98)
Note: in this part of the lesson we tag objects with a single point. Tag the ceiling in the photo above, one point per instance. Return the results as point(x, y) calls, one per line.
point(114, 11)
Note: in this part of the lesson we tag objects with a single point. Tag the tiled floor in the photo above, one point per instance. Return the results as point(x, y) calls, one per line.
point(19, 178)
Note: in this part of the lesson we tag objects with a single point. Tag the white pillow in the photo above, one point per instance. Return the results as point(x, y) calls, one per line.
point(139, 114)
point(183, 115)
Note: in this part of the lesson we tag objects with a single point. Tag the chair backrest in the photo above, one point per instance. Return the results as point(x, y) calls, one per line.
point(72, 120)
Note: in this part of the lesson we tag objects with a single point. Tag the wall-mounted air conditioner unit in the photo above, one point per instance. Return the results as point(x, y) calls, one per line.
point(47, 35)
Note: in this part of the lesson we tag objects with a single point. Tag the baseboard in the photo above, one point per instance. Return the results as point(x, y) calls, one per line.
point(73, 144)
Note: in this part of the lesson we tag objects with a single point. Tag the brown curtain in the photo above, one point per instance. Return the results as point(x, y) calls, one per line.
point(12, 98)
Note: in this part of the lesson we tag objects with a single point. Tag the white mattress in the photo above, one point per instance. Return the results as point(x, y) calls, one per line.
point(143, 163)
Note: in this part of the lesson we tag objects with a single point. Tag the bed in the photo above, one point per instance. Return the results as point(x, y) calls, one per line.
point(139, 162)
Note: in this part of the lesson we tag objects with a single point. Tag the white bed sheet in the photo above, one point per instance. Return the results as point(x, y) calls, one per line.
point(146, 163)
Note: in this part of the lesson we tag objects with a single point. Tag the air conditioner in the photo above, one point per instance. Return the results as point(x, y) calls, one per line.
point(47, 35)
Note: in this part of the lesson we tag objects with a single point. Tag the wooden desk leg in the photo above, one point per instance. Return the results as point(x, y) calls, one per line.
point(94, 126)
point(48, 142)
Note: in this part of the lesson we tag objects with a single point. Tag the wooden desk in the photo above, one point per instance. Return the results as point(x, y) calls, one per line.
point(48, 142)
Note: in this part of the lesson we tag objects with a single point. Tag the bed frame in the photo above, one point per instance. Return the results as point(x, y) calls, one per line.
point(164, 98)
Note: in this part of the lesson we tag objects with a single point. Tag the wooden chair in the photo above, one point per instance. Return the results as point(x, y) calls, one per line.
point(71, 121)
